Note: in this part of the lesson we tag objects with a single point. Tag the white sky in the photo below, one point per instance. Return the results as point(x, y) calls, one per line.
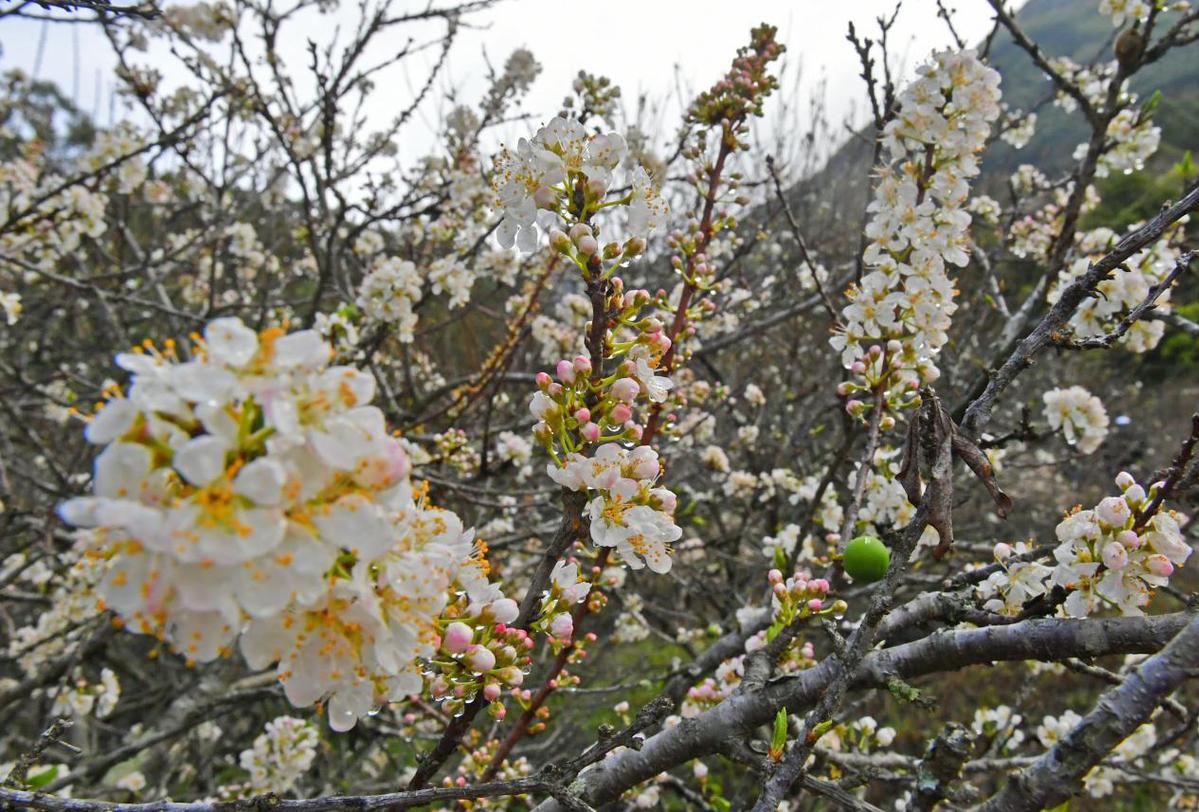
point(637, 43)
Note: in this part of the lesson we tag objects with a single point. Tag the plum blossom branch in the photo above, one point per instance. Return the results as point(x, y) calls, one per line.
point(978, 413)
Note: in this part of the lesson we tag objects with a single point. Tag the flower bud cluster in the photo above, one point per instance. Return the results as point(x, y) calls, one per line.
point(798, 597)
point(743, 90)
point(1113, 555)
point(884, 368)
point(920, 222)
point(253, 494)
point(480, 652)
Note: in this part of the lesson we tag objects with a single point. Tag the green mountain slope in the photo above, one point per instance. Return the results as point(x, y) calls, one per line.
point(1075, 29)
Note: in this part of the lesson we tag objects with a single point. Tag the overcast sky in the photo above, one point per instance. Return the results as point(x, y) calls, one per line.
point(641, 44)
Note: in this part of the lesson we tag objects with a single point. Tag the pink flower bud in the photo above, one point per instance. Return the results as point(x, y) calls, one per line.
point(780, 589)
point(1115, 557)
point(621, 413)
point(491, 691)
point(668, 502)
point(545, 198)
point(1112, 511)
point(559, 241)
point(438, 687)
point(566, 372)
point(583, 414)
point(1002, 551)
point(500, 712)
point(845, 388)
point(588, 246)
point(543, 379)
point(633, 431)
point(562, 627)
point(700, 770)
point(458, 637)
point(820, 585)
point(626, 389)
point(1129, 539)
point(857, 367)
point(582, 364)
point(590, 432)
point(1159, 565)
point(815, 604)
point(580, 230)
point(480, 659)
point(554, 390)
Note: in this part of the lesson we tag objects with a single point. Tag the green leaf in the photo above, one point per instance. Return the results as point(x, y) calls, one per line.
point(780, 559)
point(1150, 105)
point(43, 778)
point(778, 742)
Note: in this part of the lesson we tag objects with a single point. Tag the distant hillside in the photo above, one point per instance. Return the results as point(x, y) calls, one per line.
point(831, 202)
point(1075, 29)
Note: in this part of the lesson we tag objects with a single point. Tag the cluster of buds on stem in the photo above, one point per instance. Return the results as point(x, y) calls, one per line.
point(797, 597)
point(873, 375)
point(481, 653)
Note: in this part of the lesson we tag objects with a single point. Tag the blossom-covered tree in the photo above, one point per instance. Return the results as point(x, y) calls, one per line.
point(525, 474)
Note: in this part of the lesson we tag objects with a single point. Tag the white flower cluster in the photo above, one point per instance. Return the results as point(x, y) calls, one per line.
point(627, 512)
point(526, 181)
point(1079, 415)
point(388, 294)
point(280, 755)
point(1007, 590)
point(81, 698)
point(10, 303)
point(1001, 725)
point(1120, 10)
point(1111, 556)
point(1091, 80)
point(1131, 139)
point(1021, 132)
point(59, 222)
point(1124, 289)
point(253, 491)
point(919, 221)
point(63, 623)
point(1100, 780)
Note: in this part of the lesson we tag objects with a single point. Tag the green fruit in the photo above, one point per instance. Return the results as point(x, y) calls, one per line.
point(866, 559)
